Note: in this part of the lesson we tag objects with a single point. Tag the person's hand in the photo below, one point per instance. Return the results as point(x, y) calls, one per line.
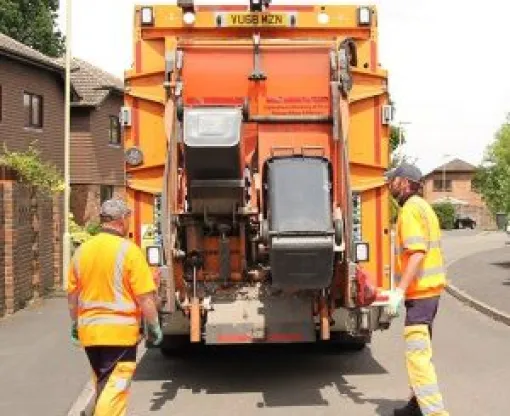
point(74, 334)
point(396, 298)
point(155, 334)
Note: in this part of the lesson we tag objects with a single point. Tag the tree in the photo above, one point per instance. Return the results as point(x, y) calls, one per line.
point(33, 22)
point(395, 138)
point(492, 179)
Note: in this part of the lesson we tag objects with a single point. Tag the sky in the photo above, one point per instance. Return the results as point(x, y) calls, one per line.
point(448, 65)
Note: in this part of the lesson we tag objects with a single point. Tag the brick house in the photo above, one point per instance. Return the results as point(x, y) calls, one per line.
point(31, 110)
point(97, 157)
point(453, 182)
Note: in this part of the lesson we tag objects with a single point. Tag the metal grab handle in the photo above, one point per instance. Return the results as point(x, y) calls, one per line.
point(282, 149)
point(312, 149)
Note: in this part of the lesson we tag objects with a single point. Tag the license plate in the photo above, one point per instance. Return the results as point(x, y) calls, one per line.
point(257, 19)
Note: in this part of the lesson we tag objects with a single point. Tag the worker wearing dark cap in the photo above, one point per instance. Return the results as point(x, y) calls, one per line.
point(110, 286)
point(420, 276)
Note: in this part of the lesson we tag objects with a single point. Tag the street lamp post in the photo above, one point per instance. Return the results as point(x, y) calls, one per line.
point(445, 157)
point(67, 191)
point(401, 138)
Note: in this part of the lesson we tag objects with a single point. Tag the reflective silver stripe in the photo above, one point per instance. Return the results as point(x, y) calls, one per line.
point(119, 305)
point(426, 390)
point(122, 384)
point(119, 267)
point(432, 408)
point(414, 240)
point(431, 244)
point(425, 273)
point(105, 320)
point(417, 345)
point(111, 306)
point(432, 271)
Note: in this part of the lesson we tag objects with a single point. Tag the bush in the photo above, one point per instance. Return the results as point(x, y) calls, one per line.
point(446, 214)
point(81, 234)
point(77, 233)
point(93, 228)
point(33, 170)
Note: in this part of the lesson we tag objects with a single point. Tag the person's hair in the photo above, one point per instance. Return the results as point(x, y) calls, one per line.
point(105, 219)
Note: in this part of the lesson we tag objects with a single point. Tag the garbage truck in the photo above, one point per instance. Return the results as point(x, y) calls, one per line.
point(256, 140)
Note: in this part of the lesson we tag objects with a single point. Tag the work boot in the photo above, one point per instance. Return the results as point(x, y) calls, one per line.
point(410, 409)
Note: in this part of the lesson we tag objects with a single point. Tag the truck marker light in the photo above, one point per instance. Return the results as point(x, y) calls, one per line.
point(154, 256)
point(189, 18)
point(364, 16)
point(323, 18)
point(362, 252)
point(147, 16)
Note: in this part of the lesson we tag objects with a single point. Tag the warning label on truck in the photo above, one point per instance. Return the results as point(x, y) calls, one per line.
point(297, 105)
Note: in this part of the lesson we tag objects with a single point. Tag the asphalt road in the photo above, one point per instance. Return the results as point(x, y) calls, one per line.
point(471, 356)
point(486, 277)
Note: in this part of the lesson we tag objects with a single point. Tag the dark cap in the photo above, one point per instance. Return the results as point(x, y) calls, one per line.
point(114, 209)
point(405, 170)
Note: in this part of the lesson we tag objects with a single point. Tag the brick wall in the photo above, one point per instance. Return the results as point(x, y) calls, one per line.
point(86, 201)
point(22, 244)
point(461, 189)
point(2, 251)
point(31, 248)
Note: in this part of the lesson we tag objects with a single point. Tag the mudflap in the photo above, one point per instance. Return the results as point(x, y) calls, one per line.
point(254, 319)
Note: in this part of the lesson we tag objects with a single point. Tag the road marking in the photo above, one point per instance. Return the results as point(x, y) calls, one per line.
point(83, 405)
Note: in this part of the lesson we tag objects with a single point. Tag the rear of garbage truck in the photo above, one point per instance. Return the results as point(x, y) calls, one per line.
point(256, 139)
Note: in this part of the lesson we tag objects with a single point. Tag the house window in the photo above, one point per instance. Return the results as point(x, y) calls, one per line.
point(114, 130)
point(106, 192)
point(442, 186)
point(33, 107)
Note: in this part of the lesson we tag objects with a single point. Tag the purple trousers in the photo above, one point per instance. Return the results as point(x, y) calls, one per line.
point(421, 312)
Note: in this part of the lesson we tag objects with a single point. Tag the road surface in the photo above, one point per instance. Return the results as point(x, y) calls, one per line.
point(472, 356)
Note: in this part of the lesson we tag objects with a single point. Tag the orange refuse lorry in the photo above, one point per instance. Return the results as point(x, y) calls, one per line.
point(256, 140)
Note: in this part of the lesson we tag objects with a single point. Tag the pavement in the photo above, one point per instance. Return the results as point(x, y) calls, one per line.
point(42, 373)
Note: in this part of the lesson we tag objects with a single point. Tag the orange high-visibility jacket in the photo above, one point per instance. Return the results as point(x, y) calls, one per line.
point(418, 230)
point(109, 272)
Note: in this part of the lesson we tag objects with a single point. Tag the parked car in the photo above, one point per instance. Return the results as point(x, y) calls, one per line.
point(464, 222)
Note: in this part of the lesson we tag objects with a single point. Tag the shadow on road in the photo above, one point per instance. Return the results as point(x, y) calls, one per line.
point(285, 376)
point(503, 264)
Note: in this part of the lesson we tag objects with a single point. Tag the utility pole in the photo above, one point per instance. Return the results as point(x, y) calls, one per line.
point(445, 156)
point(67, 145)
point(401, 137)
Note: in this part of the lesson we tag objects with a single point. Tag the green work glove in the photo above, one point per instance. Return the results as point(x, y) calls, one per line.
point(396, 299)
point(74, 334)
point(155, 333)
